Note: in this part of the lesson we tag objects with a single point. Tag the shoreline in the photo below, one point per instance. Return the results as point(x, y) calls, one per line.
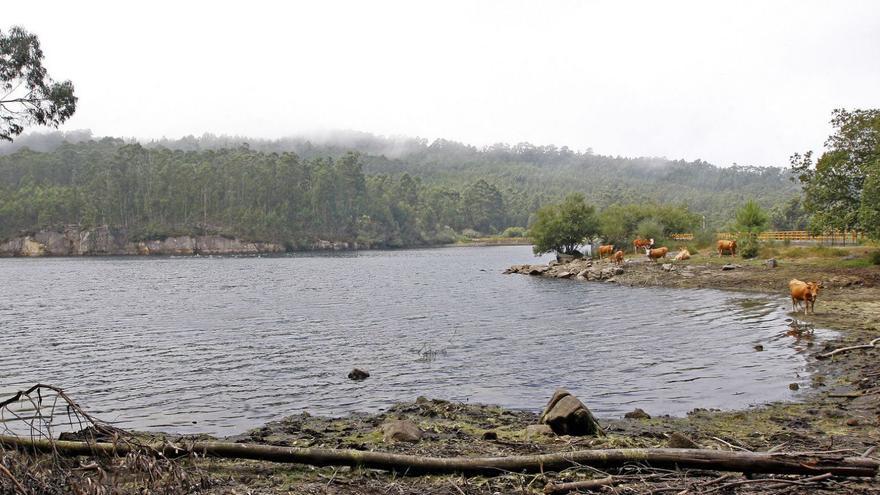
point(839, 411)
point(105, 242)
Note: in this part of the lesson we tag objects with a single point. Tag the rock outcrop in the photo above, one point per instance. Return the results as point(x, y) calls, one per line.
point(579, 268)
point(104, 241)
point(566, 415)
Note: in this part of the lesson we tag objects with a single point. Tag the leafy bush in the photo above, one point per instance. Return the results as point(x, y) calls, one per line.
point(562, 227)
point(748, 247)
point(471, 233)
point(514, 232)
point(874, 257)
point(768, 251)
point(704, 239)
point(650, 229)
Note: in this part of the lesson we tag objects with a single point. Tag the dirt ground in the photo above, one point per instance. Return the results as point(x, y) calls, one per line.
point(840, 413)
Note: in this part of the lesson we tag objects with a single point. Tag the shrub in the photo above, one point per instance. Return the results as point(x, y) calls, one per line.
point(874, 257)
point(768, 251)
point(514, 232)
point(650, 229)
point(562, 227)
point(703, 239)
point(748, 248)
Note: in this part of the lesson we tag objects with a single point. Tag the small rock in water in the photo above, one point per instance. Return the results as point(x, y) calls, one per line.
point(852, 422)
point(759, 348)
point(728, 267)
point(679, 441)
point(358, 375)
point(401, 430)
point(794, 386)
point(637, 413)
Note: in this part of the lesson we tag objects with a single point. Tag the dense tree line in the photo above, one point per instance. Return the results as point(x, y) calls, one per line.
point(156, 192)
point(526, 176)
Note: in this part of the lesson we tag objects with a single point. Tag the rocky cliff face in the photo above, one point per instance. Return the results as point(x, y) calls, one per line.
point(103, 241)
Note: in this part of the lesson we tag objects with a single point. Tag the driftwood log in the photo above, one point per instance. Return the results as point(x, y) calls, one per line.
point(748, 462)
point(870, 345)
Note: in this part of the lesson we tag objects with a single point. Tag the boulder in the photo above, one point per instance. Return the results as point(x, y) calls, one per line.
point(678, 441)
point(637, 413)
point(533, 431)
point(667, 267)
point(771, 263)
point(564, 275)
point(358, 375)
point(490, 435)
point(583, 273)
point(538, 269)
point(728, 267)
point(566, 415)
point(401, 430)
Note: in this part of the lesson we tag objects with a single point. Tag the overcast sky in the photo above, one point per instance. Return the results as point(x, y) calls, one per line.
point(737, 81)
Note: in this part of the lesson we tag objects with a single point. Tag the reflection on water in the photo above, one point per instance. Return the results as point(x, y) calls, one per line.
point(229, 343)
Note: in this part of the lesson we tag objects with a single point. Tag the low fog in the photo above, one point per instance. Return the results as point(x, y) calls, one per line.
point(736, 82)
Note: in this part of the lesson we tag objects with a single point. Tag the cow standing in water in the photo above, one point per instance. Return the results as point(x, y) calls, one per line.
point(807, 292)
point(655, 254)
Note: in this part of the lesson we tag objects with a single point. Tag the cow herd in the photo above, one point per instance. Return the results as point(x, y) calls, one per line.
point(801, 292)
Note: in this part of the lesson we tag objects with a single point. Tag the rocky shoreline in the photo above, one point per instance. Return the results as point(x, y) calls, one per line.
point(104, 241)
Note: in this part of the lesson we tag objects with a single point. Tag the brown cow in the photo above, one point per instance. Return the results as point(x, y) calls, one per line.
point(654, 254)
point(640, 244)
point(803, 291)
point(617, 258)
point(727, 246)
point(606, 250)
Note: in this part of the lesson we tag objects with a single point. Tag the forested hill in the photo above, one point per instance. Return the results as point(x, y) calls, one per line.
point(397, 192)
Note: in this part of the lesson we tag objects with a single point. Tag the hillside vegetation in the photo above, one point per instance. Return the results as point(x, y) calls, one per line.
point(347, 187)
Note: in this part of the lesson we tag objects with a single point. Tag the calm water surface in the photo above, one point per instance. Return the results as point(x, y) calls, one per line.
point(220, 345)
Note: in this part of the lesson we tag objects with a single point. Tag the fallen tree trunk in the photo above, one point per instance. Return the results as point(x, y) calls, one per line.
point(749, 462)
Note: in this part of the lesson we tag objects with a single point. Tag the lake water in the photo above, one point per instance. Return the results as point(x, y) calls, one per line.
point(224, 344)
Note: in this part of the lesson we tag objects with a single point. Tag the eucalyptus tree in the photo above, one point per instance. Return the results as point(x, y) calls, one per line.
point(27, 94)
